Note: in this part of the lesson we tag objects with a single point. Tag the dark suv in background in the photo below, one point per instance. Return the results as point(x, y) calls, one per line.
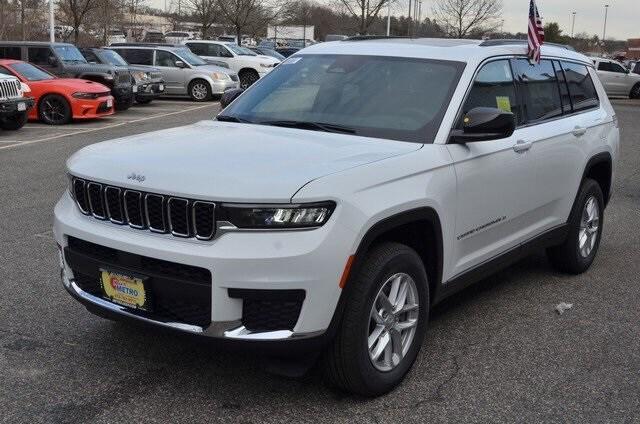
point(66, 61)
point(148, 81)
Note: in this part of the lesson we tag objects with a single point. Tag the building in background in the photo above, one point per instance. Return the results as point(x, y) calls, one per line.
point(633, 48)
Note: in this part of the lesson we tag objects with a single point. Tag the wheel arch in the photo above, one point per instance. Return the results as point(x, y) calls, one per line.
point(600, 168)
point(248, 69)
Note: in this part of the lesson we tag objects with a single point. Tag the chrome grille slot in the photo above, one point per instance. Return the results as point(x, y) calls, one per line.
point(96, 200)
point(155, 213)
point(203, 220)
point(80, 195)
point(133, 209)
point(113, 201)
point(179, 217)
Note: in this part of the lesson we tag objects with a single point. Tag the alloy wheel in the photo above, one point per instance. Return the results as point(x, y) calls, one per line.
point(392, 322)
point(53, 110)
point(589, 226)
point(199, 91)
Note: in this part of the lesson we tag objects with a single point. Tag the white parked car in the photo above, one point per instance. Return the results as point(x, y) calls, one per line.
point(616, 79)
point(329, 208)
point(247, 64)
point(116, 36)
point(177, 37)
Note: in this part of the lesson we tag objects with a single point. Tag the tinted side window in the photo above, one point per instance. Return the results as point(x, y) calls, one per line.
point(564, 89)
point(604, 66)
point(539, 87)
point(493, 87)
point(90, 56)
point(581, 88)
point(615, 67)
point(198, 48)
point(213, 50)
point(5, 71)
point(39, 55)
point(11, 53)
point(137, 56)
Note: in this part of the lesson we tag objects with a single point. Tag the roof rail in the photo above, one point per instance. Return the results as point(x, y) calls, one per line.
point(373, 37)
point(134, 44)
point(509, 42)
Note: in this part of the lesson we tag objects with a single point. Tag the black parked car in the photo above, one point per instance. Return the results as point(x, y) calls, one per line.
point(66, 61)
point(148, 81)
point(287, 51)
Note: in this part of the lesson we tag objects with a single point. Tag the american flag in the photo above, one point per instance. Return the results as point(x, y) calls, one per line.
point(536, 33)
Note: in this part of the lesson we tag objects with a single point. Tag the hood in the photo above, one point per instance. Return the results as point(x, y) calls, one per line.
point(74, 84)
point(265, 58)
point(89, 67)
point(212, 68)
point(231, 162)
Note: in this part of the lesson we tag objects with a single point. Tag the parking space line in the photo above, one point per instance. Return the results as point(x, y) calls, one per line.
point(88, 130)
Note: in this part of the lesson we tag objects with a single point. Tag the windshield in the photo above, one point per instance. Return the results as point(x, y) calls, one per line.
point(384, 97)
point(272, 53)
point(30, 72)
point(239, 50)
point(69, 54)
point(112, 58)
point(188, 56)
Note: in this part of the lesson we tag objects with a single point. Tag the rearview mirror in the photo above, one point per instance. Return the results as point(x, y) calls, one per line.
point(229, 96)
point(483, 124)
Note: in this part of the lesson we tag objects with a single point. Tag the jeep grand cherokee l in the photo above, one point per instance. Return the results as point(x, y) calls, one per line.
point(334, 202)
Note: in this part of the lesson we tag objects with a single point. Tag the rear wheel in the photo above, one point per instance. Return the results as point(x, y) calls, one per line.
point(14, 122)
point(199, 90)
point(635, 92)
point(248, 77)
point(579, 250)
point(54, 110)
point(384, 322)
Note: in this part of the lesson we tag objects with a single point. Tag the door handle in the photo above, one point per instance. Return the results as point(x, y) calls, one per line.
point(579, 131)
point(521, 146)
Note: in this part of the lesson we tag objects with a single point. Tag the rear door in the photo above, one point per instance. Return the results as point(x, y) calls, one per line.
point(496, 178)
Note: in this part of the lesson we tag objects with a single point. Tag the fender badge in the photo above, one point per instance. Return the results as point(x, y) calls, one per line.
point(138, 177)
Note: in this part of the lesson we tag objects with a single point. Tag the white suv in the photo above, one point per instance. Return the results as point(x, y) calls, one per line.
point(247, 64)
point(616, 79)
point(332, 204)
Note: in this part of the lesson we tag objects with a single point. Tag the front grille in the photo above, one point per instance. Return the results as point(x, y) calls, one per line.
point(9, 89)
point(146, 211)
point(269, 310)
point(176, 292)
point(123, 78)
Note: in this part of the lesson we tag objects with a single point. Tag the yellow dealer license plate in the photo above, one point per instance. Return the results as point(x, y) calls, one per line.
point(124, 289)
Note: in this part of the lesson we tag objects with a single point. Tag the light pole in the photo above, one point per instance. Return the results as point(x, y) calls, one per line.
point(604, 30)
point(573, 23)
point(52, 25)
point(388, 18)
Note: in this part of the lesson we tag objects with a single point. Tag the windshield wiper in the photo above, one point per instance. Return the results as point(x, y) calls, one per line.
point(229, 118)
point(308, 125)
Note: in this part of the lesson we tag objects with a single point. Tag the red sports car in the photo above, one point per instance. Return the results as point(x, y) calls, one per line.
point(59, 100)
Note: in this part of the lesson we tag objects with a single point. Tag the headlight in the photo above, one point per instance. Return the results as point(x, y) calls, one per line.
point(24, 88)
point(274, 217)
point(219, 76)
point(85, 96)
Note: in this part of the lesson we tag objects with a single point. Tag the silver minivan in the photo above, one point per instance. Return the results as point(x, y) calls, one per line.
point(184, 73)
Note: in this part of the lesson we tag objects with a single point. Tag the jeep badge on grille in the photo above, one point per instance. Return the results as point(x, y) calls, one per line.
point(138, 177)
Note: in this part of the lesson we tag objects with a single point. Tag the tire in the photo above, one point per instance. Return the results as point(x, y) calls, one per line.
point(347, 361)
point(54, 110)
point(14, 122)
point(199, 90)
point(248, 78)
point(123, 105)
point(635, 92)
point(143, 101)
point(578, 251)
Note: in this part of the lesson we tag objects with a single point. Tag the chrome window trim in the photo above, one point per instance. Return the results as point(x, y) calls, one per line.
point(100, 195)
point(126, 210)
point(120, 203)
point(162, 210)
point(194, 222)
point(186, 206)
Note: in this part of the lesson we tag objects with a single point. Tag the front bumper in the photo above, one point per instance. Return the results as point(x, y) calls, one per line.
point(13, 106)
point(150, 91)
point(91, 109)
point(219, 87)
point(312, 261)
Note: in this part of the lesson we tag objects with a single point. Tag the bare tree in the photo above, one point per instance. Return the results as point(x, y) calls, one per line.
point(206, 13)
point(244, 15)
point(75, 13)
point(460, 18)
point(365, 11)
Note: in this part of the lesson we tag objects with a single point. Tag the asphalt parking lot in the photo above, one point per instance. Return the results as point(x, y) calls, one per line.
point(496, 352)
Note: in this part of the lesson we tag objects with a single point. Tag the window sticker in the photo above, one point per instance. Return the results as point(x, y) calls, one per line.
point(503, 103)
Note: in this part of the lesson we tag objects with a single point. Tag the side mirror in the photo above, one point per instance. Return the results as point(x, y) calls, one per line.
point(52, 61)
point(180, 64)
point(229, 96)
point(483, 124)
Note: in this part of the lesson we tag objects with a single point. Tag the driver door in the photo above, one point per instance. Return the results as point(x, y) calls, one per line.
point(175, 77)
point(495, 178)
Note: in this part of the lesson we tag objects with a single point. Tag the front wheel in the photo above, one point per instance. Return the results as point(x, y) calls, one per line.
point(384, 322)
point(14, 122)
point(54, 110)
point(635, 92)
point(578, 251)
point(199, 91)
point(248, 78)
